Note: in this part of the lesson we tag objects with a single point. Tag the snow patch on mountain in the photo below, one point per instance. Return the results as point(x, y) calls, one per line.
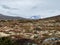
point(35, 17)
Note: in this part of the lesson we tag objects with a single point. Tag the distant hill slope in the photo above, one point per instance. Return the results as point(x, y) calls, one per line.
point(53, 17)
point(9, 17)
point(50, 23)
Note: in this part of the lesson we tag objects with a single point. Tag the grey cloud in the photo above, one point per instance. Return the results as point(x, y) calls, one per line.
point(6, 7)
point(27, 8)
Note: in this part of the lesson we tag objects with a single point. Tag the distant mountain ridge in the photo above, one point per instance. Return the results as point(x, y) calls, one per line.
point(31, 18)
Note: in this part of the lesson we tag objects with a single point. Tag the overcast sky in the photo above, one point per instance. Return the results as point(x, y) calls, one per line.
point(28, 8)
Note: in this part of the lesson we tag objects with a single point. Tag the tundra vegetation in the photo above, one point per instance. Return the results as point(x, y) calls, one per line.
point(41, 32)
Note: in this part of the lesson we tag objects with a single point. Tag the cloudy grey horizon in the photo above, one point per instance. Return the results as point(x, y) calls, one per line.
point(28, 8)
